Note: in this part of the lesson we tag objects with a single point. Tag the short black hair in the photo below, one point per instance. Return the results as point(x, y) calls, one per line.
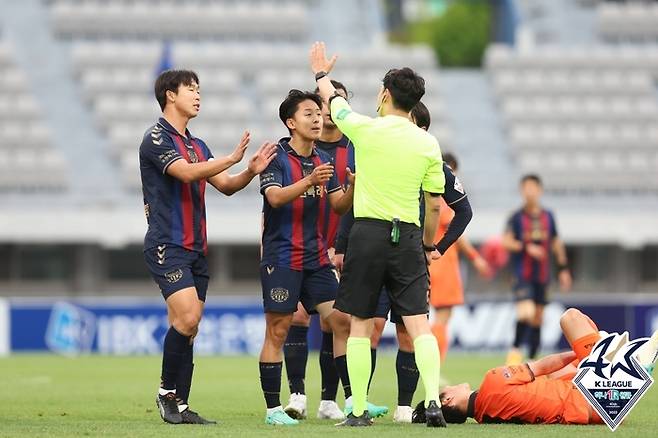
point(170, 80)
point(421, 116)
point(406, 87)
point(451, 160)
point(289, 106)
point(451, 413)
point(337, 85)
point(531, 177)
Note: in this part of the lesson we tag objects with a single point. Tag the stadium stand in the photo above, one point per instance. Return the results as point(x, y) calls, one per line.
point(635, 21)
point(28, 162)
point(583, 117)
point(243, 77)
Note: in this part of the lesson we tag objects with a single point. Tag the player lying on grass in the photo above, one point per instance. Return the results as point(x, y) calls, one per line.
point(539, 392)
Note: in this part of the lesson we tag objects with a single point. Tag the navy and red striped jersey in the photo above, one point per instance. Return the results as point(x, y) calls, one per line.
point(539, 229)
point(175, 211)
point(293, 234)
point(342, 156)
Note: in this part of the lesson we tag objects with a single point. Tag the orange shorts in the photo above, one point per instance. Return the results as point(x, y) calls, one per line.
point(446, 288)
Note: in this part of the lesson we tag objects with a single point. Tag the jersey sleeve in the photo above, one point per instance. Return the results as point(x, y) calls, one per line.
point(553, 225)
point(158, 149)
point(206, 150)
point(350, 123)
point(514, 226)
point(434, 180)
point(454, 191)
point(272, 176)
point(333, 185)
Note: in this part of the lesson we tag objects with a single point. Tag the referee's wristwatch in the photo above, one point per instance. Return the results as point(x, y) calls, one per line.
point(429, 248)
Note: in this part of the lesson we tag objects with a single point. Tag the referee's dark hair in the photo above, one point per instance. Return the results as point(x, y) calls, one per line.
point(531, 177)
point(406, 87)
point(170, 80)
point(451, 160)
point(337, 85)
point(289, 106)
point(421, 116)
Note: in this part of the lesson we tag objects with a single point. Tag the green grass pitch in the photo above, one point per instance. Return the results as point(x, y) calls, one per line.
point(114, 396)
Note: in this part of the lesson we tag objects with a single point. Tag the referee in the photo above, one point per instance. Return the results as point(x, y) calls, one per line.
point(396, 159)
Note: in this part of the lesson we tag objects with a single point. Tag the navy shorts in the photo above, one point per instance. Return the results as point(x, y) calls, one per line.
point(534, 291)
point(384, 308)
point(174, 268)
point(283, 288)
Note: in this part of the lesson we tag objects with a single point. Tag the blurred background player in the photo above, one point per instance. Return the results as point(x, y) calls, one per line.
point(446, 285)
point(531, 236)
point(297, 187)
point(539, 392)
point(295, 349)
point(175, 167)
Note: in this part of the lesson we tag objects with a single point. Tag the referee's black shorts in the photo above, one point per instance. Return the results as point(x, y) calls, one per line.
point(372, 261)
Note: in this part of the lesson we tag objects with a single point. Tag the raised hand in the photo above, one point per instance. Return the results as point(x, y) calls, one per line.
point(238, 153)
point(262, 158)
point(318, 58)
point(321, 174)
point(351, 177)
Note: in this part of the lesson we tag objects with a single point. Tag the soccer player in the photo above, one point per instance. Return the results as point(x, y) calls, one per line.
point(530, 237)
point(298, 187)
point(396, 159)
point(446, 287)
point(175, 167)
point(539, 392)
point(295, 349)
point(405, 364)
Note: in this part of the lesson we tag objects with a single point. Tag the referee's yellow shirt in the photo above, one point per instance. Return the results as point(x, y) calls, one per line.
point(395, 159)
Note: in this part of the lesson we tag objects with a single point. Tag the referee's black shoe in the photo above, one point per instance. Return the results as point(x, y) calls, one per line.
point(434, 415)
point(353, 421)
point(191, 417)
point(168, 408)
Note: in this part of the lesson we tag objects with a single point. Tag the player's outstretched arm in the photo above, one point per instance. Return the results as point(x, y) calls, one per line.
point(230, 184)
point(341, 201)
point(190, 172)
point(551, 363)
point(279, 196)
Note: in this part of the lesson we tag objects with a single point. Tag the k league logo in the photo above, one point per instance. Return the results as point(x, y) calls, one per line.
point(611, 379)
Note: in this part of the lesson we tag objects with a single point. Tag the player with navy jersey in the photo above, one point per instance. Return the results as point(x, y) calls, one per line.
point(175, 167)
point(295, 349)
point(456, 199)
point(531, 235)
point(298, 187)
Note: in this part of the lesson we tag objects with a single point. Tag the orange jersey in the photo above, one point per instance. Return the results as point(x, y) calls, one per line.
point(446, 287)
point(512, 394)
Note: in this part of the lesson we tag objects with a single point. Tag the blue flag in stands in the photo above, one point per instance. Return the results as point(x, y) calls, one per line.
point(165, 62)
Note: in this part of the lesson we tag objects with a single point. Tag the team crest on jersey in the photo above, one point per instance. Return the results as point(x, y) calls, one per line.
point(611, 379)
point(174, 276)
point(194, 158)
point(458, 185)
point(279, 294)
